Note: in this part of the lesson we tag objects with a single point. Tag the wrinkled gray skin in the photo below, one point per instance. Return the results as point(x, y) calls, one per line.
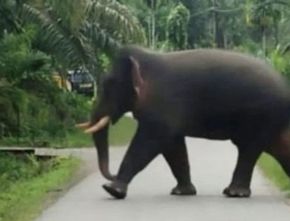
point(204, 93)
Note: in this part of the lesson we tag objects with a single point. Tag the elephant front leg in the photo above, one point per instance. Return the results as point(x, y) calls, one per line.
point(141, 152)
point(240, 185)
point(177, 158)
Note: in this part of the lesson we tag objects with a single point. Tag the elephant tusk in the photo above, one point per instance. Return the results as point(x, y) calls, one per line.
point(84, 125)
point(99, 125)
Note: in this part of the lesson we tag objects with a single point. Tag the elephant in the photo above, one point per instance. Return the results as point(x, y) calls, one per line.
point(213, 94)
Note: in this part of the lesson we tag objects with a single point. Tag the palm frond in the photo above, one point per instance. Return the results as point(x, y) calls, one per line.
point(117, 20)
point(53, 38)
point(103, 26)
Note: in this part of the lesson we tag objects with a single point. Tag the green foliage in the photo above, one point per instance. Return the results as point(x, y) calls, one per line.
point(264, 18)
point(74, 32)
point(43, 120)
point(219, 23)
point(153, 16)
point(177, 23)
point(280, 61)
point(14, 168)
point(265, 14)
point(274, 172)
point(8, 16)
point(26, 182)
point(65, 9)
point(17, 59)
point(199, 24)
point(11, 100)
point(33, 108)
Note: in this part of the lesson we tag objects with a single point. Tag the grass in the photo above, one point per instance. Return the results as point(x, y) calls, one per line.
point(120, 134)
point(275, 173)
point(25, 199)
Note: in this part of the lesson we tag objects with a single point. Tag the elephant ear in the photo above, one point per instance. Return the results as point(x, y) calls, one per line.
point(138, 81)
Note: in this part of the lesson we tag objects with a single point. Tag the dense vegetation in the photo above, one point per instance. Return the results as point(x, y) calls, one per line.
point(41, 38)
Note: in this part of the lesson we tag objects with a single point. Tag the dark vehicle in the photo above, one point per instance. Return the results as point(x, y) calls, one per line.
point(82, 82)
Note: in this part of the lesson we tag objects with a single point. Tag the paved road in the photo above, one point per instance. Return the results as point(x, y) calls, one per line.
point(212, 164)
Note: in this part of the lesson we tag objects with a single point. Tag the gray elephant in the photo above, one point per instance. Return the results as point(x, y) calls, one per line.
point(205, 93)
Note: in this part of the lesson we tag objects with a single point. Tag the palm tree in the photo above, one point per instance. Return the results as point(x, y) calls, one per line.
point(76, 31)
point(266, 15)
point(8, 18)
point(177, 23)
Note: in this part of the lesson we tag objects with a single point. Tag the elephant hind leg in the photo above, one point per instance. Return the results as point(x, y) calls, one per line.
point(241, 180)
point(177, 159)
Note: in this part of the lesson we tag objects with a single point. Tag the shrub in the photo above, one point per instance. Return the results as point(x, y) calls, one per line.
point(33, 108)
point(20, 168)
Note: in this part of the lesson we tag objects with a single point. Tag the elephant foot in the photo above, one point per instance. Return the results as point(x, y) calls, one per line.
point(236, 191)
point(116, 189)
point(184, 190)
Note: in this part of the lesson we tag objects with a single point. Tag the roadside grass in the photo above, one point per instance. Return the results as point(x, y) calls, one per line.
point(275, 173)
point(119, 134)
point(28, 185)
point(122, 132)
point(23, 200)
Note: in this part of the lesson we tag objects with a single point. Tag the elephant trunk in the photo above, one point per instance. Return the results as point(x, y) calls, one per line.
point(101, 142)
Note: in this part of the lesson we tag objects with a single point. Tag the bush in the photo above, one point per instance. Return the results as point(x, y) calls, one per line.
point(20, 168)
point(33, 109)
point(280, 61)
point(27, 184)
point(37, 111)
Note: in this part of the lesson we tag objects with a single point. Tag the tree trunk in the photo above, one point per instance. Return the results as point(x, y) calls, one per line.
point(264, 41)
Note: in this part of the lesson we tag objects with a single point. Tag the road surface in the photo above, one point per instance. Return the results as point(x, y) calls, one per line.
point(148, 198)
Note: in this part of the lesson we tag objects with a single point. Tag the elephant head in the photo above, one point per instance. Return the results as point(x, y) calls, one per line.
point(121, 90)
